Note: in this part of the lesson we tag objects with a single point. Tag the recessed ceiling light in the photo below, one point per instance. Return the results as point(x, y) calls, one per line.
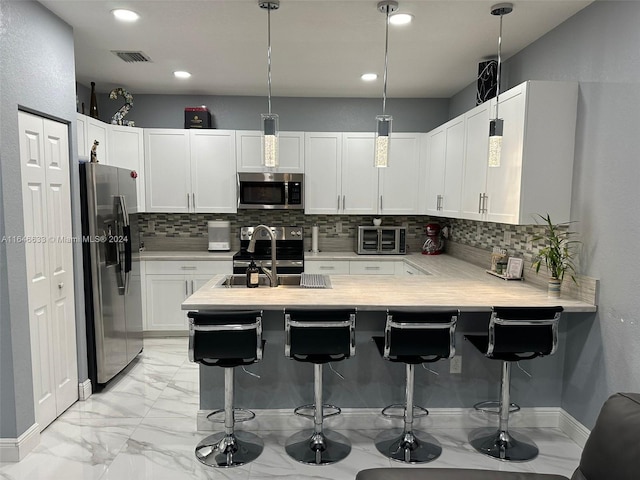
point(400, 18)
point(181, 74)
point(125, 15)
point(369, 77)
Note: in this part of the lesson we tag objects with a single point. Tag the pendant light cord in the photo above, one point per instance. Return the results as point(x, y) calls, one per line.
point(269, 54)
point(499, 66)
point(386, 62)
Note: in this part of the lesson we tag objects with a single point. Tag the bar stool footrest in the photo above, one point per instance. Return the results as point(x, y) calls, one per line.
point(418, 411)
point(493, 407)
point(301, 410)
point(239, 415)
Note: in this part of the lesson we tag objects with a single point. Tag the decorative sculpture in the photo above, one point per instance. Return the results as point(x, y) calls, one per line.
point(118, 117)
point(94, 151)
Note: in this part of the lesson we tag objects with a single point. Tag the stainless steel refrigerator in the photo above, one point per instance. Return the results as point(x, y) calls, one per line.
point(113, 303)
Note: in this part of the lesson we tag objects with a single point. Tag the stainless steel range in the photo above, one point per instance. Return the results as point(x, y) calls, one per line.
point(289, 250)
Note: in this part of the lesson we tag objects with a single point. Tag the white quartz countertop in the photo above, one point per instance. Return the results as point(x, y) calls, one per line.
point(449, 282)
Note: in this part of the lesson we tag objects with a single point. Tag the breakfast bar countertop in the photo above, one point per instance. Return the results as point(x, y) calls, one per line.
point(448, 282)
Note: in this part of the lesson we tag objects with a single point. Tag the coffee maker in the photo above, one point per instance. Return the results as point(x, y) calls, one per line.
point(434, 244)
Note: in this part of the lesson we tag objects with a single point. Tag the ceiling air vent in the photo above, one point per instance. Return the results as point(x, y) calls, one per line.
point(131, 57)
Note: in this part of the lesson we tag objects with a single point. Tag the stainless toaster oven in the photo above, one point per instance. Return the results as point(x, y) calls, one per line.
point(381, 240)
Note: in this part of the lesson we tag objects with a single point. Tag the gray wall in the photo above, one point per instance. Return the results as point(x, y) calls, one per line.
point(308, 114)
point(598, 47)
point(38, 73)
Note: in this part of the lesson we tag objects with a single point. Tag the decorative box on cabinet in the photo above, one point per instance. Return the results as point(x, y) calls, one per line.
point(249, 152)
point(168, 283)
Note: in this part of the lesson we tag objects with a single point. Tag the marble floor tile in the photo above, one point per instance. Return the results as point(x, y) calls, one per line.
point(142, 426)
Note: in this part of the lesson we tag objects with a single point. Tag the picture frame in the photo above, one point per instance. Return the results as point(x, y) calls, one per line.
point(514, 267)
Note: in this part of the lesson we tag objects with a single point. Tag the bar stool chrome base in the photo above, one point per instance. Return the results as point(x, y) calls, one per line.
point(313, 448)
point(408, 447)
point(503, 445)
point(493, 407)
point(229, 450)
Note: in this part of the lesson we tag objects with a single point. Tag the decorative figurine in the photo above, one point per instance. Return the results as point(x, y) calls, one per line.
point(94, 151)
point(118, 117)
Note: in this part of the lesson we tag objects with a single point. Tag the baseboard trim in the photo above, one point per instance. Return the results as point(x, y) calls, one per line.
point(165, 333)
point(84, 390)
point(573, 429)
point(370, 418)
point(15, 449)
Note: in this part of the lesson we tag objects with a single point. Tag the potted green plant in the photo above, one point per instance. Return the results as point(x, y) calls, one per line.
point(558, 254)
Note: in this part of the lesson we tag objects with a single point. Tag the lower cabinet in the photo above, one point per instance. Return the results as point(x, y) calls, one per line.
point(360, 267)
point(168, 283)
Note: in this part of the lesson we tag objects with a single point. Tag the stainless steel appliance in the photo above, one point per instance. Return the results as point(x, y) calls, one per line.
point(289, 250)
point(113, 302)
point(381, 240)
point(278, 191)
point(219, 235)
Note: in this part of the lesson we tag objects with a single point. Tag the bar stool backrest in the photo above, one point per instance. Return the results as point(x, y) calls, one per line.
point(426, 335)
point(319, 336)
point(225, 339)
point(527, 332)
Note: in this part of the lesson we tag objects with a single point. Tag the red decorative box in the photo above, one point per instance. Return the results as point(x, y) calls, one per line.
point(197, 117)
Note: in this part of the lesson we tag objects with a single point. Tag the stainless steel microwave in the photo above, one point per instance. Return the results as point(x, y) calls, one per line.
point(381, 240)
point(277, 191)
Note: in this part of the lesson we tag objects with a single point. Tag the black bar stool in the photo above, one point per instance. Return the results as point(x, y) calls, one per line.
point(319, 337)
point(228, 340)
point(515, 334)
point(412, 338)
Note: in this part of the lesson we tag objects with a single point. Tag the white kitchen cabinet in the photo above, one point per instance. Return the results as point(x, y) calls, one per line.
point(329, 267)
point(81, 136)
point(97, 130)
point(126, 150)
point(403, 268)
point(398, 184)
point(323, 173)
point(372, 267)
point(190, 171)
point(474, 178)
point(536, 167)
point(249, 152)
point(168, 170)
point(445, 163)
point(213, 171)
point(168, 284)
point(359, 176)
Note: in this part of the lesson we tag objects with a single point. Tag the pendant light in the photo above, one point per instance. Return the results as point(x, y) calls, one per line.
point(269, 120)
point(383, 122)
point(496, 124)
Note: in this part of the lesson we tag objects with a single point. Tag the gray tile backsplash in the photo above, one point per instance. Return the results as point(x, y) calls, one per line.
point(170, 231)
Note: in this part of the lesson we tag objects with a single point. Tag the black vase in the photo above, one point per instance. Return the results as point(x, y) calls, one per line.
point(93, 106)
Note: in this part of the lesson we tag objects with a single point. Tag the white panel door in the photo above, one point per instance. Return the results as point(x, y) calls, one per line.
point(56, 148)
point(168, 171)
point(213, 171)
point(399, 182)
point(323, 159)
point(359, 176)
point(165, 294)
point(436, 156)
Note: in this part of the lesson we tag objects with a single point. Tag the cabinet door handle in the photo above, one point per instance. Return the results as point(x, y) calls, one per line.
point(485, 197)
point(327, 267)
point(344, 203)
point(480, 203)
point(338, 202)
point(188, 267)
point(188, 202)
point(192, 287)
point(372, 268)
point(186, 288)
point(380, 202)
point(61, 285)
point(193, 196)
point(409, 272)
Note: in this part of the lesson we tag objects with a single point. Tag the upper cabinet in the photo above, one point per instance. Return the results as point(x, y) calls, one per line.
point(340, 177)
point(190, 171)
point(97, 130)
point(249, 152)
point(536, 167)
point(126, 150)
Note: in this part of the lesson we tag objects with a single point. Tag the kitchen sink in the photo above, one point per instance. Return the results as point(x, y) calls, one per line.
point(285, 281)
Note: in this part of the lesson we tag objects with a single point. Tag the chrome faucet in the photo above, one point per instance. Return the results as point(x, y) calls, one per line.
point(273, 273)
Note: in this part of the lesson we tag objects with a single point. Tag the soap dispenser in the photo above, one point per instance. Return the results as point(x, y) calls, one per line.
point(252, 275)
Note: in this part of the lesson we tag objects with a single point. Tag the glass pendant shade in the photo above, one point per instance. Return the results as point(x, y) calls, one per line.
point(495, 141)
point(270, 140)
point(382, 146)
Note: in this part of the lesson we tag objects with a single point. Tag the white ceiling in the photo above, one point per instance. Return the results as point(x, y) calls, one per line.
point(319, 48)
